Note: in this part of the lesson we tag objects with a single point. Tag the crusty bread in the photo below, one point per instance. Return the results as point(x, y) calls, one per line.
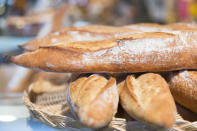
point(153, 27)
point(148, 27)
point(149, 51)
point(99, 32)
point(182, 26)
point(94, 99)
point(73, 34)
point(148, 99)
point(183, 85)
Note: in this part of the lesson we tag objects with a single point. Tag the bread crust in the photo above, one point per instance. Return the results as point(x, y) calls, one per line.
point(99, 32)
point(145, 98)
point(183, 85)
point(94, 100)
point(149, 51)
point(73, 34)
point(154, 27)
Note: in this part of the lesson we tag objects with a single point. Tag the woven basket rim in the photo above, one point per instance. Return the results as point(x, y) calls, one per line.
point(54, 120)
point(32, 106)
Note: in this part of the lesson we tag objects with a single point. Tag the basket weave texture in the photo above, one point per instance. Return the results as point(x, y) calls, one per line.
point(52, 109)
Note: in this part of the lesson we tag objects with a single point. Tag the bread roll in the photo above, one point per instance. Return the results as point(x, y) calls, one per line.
point(94, 100)
point(148, 99)
point(149, 51)
point(183, 85)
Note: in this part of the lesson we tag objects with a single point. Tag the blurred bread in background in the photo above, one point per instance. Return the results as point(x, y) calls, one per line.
point(15, 79)
point(33, 21)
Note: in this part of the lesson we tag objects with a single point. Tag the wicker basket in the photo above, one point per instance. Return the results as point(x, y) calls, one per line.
point(52, 109)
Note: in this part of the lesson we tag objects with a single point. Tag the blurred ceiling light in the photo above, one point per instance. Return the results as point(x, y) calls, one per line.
point(7, 118)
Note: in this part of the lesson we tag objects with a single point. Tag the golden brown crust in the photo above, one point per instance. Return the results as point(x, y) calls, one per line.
point(153, 27)
point(146, 27)
point(120, 86)
point(94, 99)
point(73, 34)
point(146, 99)
point(89, 46)
point(182, 26)
point(183, 85)
point(150, 51)
point(51, 61)
point(99, 32)
point(75, 87)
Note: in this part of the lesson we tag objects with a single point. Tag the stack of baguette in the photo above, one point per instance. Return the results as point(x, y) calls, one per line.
point(127, 65)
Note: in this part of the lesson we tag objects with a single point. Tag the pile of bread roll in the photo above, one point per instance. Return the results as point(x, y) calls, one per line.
point(142, 66)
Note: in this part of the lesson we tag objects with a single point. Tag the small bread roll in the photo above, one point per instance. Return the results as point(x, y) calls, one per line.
point(94, 100)
point(183, 85)
point(148, 99)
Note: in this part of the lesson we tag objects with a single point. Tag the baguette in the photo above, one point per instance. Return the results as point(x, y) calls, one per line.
point(149, 51)
point(146, 99)
point(153, 27)
point(183, 85)
point(94, 100)
point(73, 34)
point(99, 32)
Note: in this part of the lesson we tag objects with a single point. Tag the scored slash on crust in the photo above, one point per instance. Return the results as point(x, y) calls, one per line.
point(94, 104)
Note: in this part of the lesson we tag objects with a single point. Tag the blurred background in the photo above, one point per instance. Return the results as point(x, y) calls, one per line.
point(23, 20)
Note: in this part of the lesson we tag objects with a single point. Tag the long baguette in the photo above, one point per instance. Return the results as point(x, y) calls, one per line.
point(149, 51)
